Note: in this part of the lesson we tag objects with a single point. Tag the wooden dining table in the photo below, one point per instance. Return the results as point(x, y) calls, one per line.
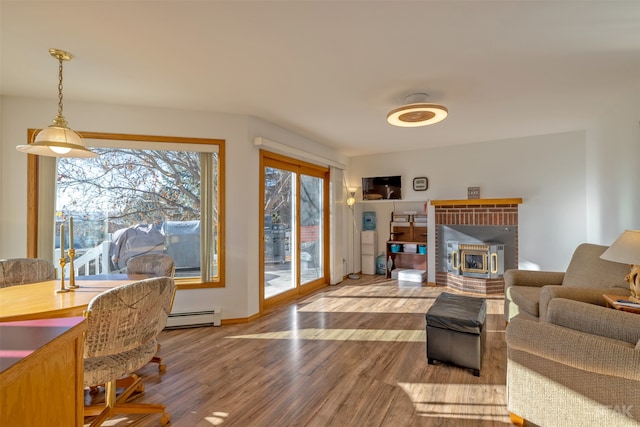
point(40, 300)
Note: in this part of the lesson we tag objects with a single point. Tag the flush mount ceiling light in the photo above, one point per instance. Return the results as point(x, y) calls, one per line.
point(417, 112)
point(58, 140)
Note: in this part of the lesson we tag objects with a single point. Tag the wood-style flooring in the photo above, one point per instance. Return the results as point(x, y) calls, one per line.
point(349, 355)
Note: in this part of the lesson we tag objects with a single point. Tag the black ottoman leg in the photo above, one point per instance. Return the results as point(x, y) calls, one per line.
point(476, 372)
point(431, 361)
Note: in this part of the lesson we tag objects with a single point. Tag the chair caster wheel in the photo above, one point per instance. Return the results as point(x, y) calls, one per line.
point(165, 419)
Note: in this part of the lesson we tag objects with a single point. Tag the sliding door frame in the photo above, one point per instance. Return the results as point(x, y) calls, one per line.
point(270, 159)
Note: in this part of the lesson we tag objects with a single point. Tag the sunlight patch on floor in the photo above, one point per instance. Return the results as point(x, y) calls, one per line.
point(217, 418)
point(371, 304)
point(393, 335)
point(397, 289)
point(460, 401)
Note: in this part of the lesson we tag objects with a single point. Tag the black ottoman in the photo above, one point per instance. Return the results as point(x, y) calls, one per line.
point(456, 332)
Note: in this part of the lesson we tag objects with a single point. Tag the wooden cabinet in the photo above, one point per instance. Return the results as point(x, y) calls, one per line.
point(41, 372)
point(408, 242)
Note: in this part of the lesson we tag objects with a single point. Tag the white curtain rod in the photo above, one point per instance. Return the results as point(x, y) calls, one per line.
point(294, 152)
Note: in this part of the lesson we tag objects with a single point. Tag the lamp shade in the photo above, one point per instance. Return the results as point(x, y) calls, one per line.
point(351, 200)
point(625, 250)
point(58, 141)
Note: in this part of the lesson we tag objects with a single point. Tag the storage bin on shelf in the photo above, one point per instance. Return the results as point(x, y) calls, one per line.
point(420, 218)
point(410, 248)
point(396, 247)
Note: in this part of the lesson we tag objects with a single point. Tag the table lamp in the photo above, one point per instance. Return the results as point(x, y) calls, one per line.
point(626, 250)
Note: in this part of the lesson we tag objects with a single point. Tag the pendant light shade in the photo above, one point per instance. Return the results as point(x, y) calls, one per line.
point(417, 112)
point(58, 140)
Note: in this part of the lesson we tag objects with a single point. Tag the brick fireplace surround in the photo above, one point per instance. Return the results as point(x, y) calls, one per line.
point(476, 212)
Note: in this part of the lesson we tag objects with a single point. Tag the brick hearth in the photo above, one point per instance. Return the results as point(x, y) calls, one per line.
point(470, 284)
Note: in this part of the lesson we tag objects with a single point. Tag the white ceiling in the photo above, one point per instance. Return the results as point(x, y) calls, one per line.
point(331, 70)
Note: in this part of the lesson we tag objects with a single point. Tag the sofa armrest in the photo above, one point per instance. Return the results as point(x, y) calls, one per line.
point(595, 320)
point(580, 350)
point(532, 278)
point(588, 295)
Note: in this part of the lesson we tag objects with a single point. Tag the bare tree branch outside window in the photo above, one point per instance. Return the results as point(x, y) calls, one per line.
point(131, 186)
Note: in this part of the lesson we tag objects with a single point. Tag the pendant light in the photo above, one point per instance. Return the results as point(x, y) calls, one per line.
point(58, 140)
point(417, 112)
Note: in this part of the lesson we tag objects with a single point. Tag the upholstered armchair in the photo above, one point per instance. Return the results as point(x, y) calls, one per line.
point(527, 293)
point(123, 324)
point(19, 271)
point(578, 367)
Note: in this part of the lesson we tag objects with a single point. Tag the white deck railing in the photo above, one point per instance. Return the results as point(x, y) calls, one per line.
point(94, 261)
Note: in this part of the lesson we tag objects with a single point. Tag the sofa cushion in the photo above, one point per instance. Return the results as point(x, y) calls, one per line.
point(526, 298)
point(587, 270)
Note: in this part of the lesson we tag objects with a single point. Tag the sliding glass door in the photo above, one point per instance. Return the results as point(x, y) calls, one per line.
point(311, 228)
point(294, 236)
point(279, 230)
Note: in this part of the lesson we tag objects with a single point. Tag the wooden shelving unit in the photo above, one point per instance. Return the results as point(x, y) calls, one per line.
point(407, 229)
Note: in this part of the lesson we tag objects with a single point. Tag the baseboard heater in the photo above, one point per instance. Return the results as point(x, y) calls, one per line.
point(194, 319)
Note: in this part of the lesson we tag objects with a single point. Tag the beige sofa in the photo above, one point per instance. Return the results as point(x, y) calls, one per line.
point(527, 293)
point(578, 367)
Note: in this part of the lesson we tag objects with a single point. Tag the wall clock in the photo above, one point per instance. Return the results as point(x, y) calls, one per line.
point(420, 183)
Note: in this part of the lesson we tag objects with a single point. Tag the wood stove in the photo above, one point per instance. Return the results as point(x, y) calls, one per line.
point(483, 260)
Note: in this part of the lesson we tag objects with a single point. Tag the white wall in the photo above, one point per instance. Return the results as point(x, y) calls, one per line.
point(613, 172)
point(239, 298)
point(547, 171)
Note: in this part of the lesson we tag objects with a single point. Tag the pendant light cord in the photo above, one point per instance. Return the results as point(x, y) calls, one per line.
point(60, 120)
point(60, 87)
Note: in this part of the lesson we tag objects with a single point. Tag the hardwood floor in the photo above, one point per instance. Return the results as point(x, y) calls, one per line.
point(348, 355)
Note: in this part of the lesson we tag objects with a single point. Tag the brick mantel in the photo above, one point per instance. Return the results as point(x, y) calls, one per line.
point(476, 202)
point(477, 211)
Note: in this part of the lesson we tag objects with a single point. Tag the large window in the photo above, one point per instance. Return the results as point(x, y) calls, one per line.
point(156, 195)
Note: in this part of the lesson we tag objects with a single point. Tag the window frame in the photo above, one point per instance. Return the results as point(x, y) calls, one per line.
point(33, 199)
